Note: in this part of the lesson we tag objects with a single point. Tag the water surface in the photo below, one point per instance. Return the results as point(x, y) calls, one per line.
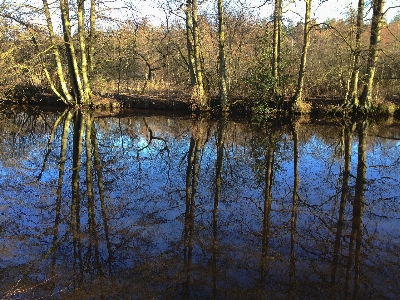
point(157, 207)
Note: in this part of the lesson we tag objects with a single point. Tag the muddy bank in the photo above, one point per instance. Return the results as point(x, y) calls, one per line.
point(182, 103)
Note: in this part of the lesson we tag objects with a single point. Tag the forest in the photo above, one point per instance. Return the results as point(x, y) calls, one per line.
point(207, 54)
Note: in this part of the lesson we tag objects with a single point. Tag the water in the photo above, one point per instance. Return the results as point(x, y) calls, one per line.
point(163, 207)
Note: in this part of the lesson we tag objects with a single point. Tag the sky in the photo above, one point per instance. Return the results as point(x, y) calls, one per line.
point(331, 9)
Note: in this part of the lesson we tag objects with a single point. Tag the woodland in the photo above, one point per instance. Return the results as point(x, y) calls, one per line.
point(205, 54)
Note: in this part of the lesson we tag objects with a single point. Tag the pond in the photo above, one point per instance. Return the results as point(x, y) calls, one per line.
point(144, 206)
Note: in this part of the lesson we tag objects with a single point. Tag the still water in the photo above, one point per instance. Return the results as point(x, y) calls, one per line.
point(158, 207)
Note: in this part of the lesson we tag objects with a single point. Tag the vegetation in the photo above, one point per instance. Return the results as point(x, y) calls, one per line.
point(79, 53)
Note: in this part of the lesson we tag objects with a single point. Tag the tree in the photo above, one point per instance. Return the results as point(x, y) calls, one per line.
point(373, 53)
point(276, 51)
point(353, 93)
point(195, 64)
point(222, 61)
point(297, 98)
point(78, 68)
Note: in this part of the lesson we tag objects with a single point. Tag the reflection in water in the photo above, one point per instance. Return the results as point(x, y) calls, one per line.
point(358, 204)
point(293, 218)
point(197, 141)
point(347, 132)
point(156, 207)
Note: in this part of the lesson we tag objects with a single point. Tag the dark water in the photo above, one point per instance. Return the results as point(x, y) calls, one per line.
point(152, 207)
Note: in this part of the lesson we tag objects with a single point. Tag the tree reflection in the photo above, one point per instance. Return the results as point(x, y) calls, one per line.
point(199, 136)
point(86, 248)
point(148, 208)
point(293, 218)
point(269, 158)
point(358, 207)
point(347, 133)
point(217, 196)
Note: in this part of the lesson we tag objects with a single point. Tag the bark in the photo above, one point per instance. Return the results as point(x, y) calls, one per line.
point(189, 42)
point(78, 91)
point(222, 60)
point(86, 92)
point(200, 90)
point(75, 78)
point(92, 36)
point(66, 96)
point(356, 57)
point(276, 48)
point(303, 62)
point(373, 53)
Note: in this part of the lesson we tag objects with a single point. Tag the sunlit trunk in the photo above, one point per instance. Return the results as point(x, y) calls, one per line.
point(92, 36)
point(353, 94)
point(74, 77)
point(200, 90)
point(223, 93)
point(298, 97)
point(373, 53)
point(276, 49)
point(86, 91)
point(66, 96)
point(189, 42)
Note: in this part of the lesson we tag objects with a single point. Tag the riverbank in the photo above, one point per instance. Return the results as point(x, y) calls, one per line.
point(181, 102)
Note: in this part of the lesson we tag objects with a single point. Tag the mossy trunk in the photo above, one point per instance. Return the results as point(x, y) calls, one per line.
point(373, 53)
point(353, 93)
point(223, 93)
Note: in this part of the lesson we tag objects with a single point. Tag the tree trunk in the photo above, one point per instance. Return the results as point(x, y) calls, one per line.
point(222, 61)
point(276, 49)
point(373, 53)
point(306, 43)
point(92, 35)
point(353, 95)
point(86, 91)
point(66, 96)
point(189, 42)
point(78, 92)
point(200, 91)
point(74, 77)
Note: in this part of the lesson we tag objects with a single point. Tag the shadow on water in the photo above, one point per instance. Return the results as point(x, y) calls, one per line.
point(174, 208)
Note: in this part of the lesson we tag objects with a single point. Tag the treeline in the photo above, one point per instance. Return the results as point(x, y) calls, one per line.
point(264, 60)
